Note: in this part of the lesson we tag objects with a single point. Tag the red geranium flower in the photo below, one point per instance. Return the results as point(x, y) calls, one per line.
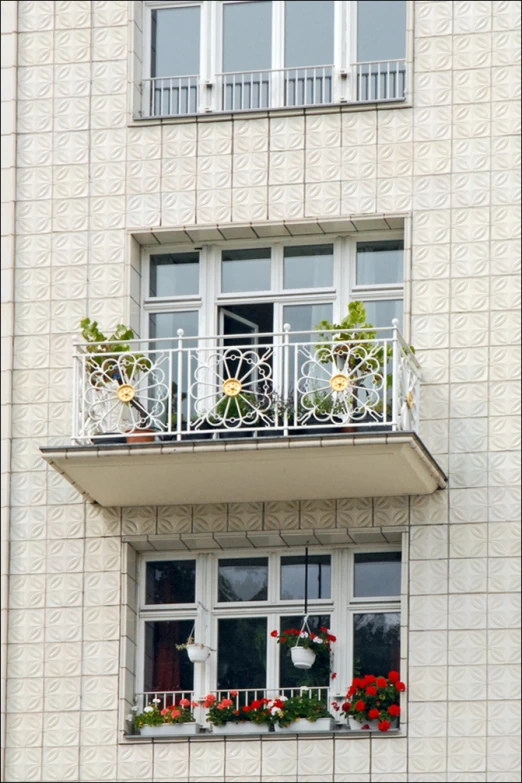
point(371, 691)
point(394, 676)
point(360, 706)
point(381, 682)
point(246, 708)
point(333, 675)
point(394, 710)
point(351, 691)
point(282, 639)
point(370, 678)
point(346, 706)
point(373, 714)
point(365, 726)
point(356, 682)
point(400, 686)
point(384, 725)
point(274, 634)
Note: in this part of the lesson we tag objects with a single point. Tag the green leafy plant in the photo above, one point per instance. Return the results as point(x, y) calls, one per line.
point(175, 713)
point(244, 407)
point(189, 643)
point(287, 711)
point(320, 643)
point(104, 351)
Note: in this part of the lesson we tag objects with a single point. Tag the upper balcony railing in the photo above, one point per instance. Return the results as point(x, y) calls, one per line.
point(272, 384)
point(172, 96)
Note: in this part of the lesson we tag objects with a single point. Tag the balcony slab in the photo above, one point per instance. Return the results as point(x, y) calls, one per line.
point(236, 472)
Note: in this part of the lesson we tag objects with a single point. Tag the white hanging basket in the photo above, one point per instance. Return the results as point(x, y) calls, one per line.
point(198, 653)
point(302, 658)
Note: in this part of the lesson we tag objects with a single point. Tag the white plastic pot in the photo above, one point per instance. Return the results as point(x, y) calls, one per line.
point(302, 725)
point(243, 727)
point(372, 725)
point(170, 730)
point(197, 653)
point(302, 658)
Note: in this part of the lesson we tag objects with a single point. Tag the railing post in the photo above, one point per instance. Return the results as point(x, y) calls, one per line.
point(395, 375)
point(286, 370)
point(179, 409)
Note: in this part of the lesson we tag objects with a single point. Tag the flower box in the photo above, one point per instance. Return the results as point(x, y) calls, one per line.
point(369, 725)
point(171, 730)
point(302, 725)
point(243, 727)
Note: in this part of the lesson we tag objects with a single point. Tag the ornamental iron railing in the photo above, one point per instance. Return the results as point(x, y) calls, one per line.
point(271, 384)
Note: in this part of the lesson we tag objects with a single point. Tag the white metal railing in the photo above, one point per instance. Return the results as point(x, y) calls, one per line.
point(382, 80)
point(240, 697)
point(170, 96)
point(271, 384)
point(244, 90)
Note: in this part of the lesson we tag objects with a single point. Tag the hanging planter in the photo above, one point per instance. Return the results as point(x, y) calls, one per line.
point(302, 658)
point(197, 653)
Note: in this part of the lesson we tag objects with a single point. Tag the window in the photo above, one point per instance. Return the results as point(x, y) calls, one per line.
point(379, 280)
point(240, 55)
point(232, 602)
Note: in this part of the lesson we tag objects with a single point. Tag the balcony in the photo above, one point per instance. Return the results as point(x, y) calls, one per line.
point(275, 416)
point(368, 82)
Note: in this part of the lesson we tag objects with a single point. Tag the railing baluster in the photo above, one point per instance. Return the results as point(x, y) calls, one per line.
point(179, 411)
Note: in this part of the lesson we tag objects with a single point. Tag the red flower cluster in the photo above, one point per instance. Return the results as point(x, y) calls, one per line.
point(375, 699)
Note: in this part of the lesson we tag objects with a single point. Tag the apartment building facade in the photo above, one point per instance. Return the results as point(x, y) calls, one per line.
point(226, 179)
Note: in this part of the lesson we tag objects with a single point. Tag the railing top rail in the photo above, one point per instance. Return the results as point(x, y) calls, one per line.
point(376, 62)
point(317, 334)
point(276, 70)
point(178, 76)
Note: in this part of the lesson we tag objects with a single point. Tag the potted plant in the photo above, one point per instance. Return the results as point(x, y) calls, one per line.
point(197, 652)
point(116, 373)
point(354, 370)
point(304, 645)
point(228, 717)
point(301, 714)
point(172, 721)
point(373, 702)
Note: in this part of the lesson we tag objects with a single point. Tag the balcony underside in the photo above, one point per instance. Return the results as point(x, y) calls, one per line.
point(246, 471)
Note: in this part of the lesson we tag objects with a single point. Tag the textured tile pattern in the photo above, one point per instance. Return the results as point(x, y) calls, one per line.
point(84, 176)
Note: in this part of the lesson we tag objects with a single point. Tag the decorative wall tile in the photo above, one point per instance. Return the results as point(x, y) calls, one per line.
point(428, 648)
point(169, 757)
point(206, 759)
point(134, 761)
point(281, 515)
point(245, 516)
point(428, 578)
point(242, 759)
point(277, 756)
point(98, 763)
point(210, 518)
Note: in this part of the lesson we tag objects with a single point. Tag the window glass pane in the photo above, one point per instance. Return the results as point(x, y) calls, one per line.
point(242, 653)
point(381, 30)
point(376, 643)
point(319, 674)
point(382, 312)
point(167, 325)
point(309, 32)
point(305, 318)
point(245, 270)
point(167, 669)
point(174, 274)
point(380, 263)
point(171, 582)
point(308, 267)
point(247, 36)
point(175, 42)
point(293, 577)
point(243, 579)
point(377, 574)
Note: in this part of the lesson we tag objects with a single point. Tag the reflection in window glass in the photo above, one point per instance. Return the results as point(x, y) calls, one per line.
point(382, 312)
point(167, 325)
point(243, 579)
point(289, 676)
point(305, 318)
point(245, 270)
point(175, 42)
point(171, 582)
point(376, 643)
point(308, 267)
point(247, 36)
point(377, 574)
point(309, 32)
point(174, 274)
point(241, 653)
point(380, 263)
point(167, 669)
point(293, 577)
point(381, 30)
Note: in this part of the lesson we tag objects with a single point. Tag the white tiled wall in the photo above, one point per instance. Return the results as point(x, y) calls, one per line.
point(83, 178)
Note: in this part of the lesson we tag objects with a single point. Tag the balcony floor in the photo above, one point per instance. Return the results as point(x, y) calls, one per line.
point(235, 471)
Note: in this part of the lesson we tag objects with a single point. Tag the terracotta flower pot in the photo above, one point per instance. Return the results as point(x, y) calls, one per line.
point(141, 436)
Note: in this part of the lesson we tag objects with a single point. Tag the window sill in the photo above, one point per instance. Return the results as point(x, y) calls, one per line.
point(219, 116)
point(340, 732)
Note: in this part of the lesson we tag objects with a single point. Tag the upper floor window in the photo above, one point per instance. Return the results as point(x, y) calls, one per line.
point(239, 55)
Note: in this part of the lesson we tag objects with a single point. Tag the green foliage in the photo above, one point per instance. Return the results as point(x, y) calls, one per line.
point(303, 706)
point(244, 407)
point(108, 348)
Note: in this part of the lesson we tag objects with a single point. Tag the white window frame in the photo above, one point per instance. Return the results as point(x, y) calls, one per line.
point(341, 607)
point(211, 54)
point(210, 298)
